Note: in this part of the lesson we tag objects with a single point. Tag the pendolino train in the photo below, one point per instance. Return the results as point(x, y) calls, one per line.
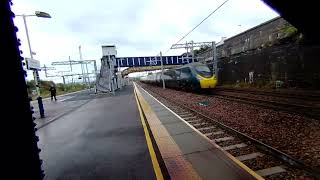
point(193, 76)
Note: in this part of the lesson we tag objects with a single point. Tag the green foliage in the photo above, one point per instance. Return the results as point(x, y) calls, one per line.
point(289, 31)
point(61, 88)
point(201, 50)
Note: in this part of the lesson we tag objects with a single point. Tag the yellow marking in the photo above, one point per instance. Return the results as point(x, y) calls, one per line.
point(153, 156)
point(239, 163)
point(207, 82)
point(184, 169)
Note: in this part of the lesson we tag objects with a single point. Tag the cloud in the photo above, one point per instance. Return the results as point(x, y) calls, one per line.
point(137, 28)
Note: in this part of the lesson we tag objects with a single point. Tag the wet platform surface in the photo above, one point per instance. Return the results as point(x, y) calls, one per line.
point(101, 139)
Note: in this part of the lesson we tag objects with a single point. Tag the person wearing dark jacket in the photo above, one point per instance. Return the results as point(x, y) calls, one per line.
point(53, 92)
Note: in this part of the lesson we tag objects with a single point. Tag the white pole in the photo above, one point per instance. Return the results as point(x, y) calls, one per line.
point(163, 84)
point(215, 60)
point(35, 72)
point(71, 70)
point(112, 75)
point(88, 76)
point(192, 52)
point(95, 72)
point(187, 51)
point(119, 75)
point(82, 70)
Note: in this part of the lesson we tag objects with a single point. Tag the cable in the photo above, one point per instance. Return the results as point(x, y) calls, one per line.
point(198, 24)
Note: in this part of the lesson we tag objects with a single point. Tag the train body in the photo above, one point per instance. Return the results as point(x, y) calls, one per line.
point(193, 76)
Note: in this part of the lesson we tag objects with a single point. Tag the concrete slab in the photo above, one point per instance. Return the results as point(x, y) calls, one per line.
point(169, 119)
point(165, 112)
point(177, 128)
point(208, 165)
point(191, 143)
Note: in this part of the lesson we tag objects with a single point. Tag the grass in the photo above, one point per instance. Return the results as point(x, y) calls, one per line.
point(61, 89)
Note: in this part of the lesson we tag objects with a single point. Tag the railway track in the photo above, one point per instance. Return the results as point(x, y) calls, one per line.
point(265, 160)
point(307, 105)
point(303, 95)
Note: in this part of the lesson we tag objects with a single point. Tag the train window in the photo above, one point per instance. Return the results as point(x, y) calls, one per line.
point(203, 70)
point(170, 73)
point(185, 73)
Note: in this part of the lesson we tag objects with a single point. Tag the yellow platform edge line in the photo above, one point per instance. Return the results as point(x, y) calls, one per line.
point(155, 163)
point(234, 159)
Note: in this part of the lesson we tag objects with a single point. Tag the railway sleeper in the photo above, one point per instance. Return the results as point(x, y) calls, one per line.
point(194, 121)
point(182, 113)
point(197, 125)
point(228, 138)
point(207, 128)
point(214, 133)
point(186, 115)
point(235, 146)
point(271, 171)
point(249, 156)
point(187, 118)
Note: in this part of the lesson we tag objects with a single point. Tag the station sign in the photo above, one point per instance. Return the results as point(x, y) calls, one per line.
point(152, 61)
point(32, 64)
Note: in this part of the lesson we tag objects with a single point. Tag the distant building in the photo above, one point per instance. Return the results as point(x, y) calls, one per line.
point(257, 37)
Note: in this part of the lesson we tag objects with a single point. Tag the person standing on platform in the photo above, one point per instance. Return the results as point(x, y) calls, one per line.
point(53, 92)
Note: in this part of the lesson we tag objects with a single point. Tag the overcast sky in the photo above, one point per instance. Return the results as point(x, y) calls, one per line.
point(136, 27)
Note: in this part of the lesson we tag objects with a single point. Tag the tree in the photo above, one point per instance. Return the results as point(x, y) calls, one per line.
point(202, 49)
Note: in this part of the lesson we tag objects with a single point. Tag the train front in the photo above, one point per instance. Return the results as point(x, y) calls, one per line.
point(205, 76)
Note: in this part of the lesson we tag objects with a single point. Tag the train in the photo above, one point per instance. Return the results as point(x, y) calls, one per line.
point(193, 77)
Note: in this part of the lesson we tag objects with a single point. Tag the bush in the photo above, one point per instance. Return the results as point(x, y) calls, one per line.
point(61, 88)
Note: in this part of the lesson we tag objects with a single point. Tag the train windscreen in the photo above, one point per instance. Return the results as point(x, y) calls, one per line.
point(203, 70)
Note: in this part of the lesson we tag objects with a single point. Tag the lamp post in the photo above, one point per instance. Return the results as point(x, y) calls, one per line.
point(35, 71)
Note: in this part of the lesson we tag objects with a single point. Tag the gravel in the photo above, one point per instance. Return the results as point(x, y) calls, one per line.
point(293, 134)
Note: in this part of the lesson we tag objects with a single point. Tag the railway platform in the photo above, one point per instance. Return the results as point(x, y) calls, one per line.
point(182, 151)
point(130, 135)
point(100, 138)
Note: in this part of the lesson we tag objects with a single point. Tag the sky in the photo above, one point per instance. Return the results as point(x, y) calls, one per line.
point(136, 27)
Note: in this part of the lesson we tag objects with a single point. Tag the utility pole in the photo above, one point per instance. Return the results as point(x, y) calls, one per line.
point(192, 52)
point(187, 48)
point(71, 68)
point(95, 72)
point(190, 46)
point(163, 84)
point(111, 71)
point(82, 70)
point(87, 76)
point(119, 77)
point(70, 64)
point(35, 71)
point(45, 70)
point(214, 59)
